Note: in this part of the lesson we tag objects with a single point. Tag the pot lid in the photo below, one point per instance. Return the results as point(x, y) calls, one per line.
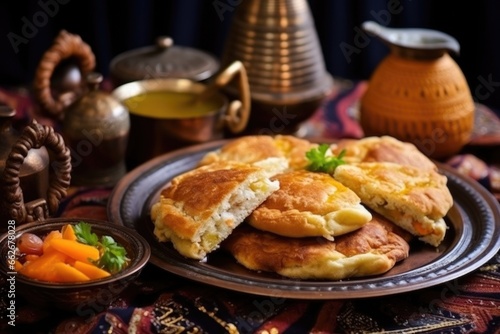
point(163, 60)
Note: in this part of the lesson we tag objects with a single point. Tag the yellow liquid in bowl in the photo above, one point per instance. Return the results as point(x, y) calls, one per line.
point(172, 105)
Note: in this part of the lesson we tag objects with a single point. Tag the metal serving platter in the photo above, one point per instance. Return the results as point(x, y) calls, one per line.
point(472, 239)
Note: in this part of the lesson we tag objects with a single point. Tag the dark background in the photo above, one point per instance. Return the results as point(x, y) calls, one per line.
point(111, 27)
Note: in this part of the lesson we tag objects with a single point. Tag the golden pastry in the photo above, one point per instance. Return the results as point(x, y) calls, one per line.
point(371, 250)
point(200, 208)
point(310, 204)
point(382, 149)
point(413, 198)
point(253, 148)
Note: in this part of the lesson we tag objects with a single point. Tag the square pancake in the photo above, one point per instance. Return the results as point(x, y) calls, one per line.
point(414, 199)
point(371, 250)
point(310, 204)
point(252, 148)
point(201, 207)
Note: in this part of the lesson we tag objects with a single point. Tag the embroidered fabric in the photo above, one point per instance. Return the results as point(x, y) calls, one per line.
point(160, 302)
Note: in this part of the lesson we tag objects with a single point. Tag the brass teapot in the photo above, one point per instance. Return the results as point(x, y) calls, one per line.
point(94, 124)
point(418, 92)
point(31, 185)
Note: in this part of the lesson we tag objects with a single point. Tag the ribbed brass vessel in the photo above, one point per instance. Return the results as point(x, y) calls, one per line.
point(277, 42)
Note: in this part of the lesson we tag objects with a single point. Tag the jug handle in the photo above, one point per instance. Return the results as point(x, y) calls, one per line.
point(65, 46)
point(36, 135)
point(238, 111)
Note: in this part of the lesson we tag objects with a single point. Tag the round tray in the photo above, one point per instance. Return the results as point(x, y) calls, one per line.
point(472, 239)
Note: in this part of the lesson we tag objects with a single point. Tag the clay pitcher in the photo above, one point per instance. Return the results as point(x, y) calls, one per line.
point(418, 92)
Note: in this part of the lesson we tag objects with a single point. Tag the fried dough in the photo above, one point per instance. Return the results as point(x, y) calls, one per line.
point(200, 208)
point(371, 250)
point(253, 148)
point(382, 149)
point(412, 198)
point(310, 204)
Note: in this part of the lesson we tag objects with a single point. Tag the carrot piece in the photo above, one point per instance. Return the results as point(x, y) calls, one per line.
point(70, 261)
point(66, 273)
point(31, 257)
point(90, 270)
point(38, 268)
point(76, 250)
point(18, 265)
point(52, 235)
point(68, 232)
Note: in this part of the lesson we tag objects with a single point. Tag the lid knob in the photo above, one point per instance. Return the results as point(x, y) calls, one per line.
point(164, 42)
point(94, 80)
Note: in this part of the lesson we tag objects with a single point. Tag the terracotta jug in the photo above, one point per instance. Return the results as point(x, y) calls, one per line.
point(418, 92)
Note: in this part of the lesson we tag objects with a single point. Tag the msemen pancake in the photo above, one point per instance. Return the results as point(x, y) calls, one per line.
point(371, 250)
point(414, 199)
point(200, 208)
point(254, 148)
point(310, 204)
point(382, 149)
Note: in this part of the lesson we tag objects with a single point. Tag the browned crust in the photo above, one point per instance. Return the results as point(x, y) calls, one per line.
point(383, 149)
point(253, 148)
point(302, 194)
point(191, 198)
point(423, 191)
point(380, 235)
point(258, 250)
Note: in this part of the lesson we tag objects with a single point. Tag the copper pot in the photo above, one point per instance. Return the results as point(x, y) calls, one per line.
point(204, 114)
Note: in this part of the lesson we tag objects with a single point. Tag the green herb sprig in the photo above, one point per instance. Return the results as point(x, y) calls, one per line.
point(113, 256)
point(321, 161)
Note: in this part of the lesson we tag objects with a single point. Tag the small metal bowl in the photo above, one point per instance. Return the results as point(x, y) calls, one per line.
point(83, 298)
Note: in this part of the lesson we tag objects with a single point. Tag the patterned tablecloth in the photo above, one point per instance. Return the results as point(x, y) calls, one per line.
point(160, 302)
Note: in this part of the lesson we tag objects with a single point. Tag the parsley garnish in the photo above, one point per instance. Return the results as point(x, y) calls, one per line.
point(113, 256)
point(84, 234)
point(321, 161)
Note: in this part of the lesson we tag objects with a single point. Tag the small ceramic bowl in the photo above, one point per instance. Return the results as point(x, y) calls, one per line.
point(84, 298)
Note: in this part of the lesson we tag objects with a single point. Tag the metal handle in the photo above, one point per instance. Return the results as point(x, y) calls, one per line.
point(35, 135)
point(65, 46)
point(238, 111)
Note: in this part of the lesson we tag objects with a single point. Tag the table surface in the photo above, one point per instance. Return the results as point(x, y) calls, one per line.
point(163, 302)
